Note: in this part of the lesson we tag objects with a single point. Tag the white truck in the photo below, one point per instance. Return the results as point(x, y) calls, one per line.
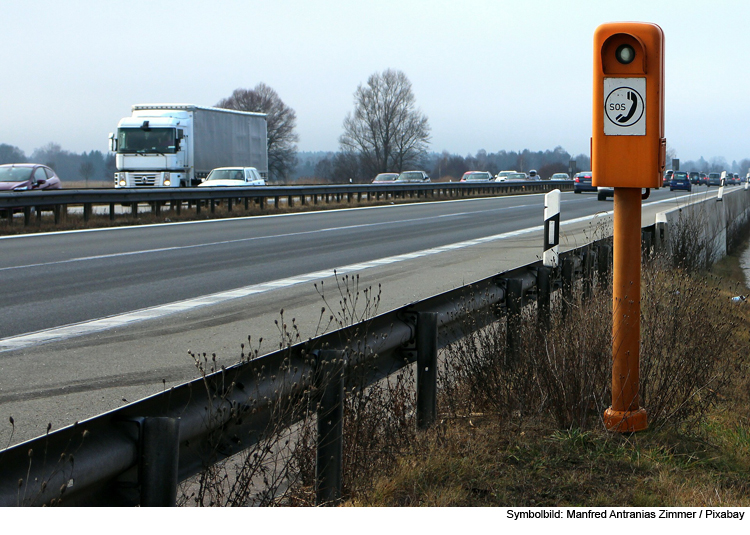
point(176, 145)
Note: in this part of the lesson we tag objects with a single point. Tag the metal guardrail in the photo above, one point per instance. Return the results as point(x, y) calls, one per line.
point(122, 457)
point(261, 196)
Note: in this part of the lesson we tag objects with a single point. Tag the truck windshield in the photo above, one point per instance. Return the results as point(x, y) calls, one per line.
point(151, 141)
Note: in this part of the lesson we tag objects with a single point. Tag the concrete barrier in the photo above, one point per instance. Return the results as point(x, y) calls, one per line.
point(712, 225)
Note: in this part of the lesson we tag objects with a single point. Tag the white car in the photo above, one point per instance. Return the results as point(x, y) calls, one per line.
point(233, 177)
point(560, 176)
point(502, 176)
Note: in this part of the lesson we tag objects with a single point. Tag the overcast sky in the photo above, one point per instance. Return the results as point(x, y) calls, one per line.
point(489, 75)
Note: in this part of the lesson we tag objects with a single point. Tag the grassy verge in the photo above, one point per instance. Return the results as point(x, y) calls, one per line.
point(500, 442)
point(523, 427)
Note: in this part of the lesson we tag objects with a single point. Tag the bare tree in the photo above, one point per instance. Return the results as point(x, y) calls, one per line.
point(386, 130)
point(86, 170)
point(280, 123)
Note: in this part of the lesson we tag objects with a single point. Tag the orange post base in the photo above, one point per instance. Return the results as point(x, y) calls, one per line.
point(625, 421)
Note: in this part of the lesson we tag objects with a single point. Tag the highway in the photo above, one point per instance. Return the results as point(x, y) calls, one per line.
point(93, 319)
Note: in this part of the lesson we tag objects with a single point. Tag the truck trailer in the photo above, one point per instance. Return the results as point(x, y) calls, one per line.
point(176, 145)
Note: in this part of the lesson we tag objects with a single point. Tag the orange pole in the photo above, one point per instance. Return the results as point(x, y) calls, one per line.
point(625, 415)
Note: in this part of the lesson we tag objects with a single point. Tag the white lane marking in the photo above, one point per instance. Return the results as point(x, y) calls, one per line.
point(88, 327)
point(65, 332)
point(240, 240)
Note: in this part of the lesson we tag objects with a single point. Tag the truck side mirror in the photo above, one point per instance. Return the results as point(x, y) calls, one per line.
point(112, 142)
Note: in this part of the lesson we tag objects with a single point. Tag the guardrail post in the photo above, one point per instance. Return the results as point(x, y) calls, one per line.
point(330, 416)
point(276, 202)
point(134, 209)
point(157, 208)
point(213, 206)
point(303, 199)
point(568, 266)
point(543, 292)
point(229, 204)
point(26, 216)
point(588, 271)
point(160, 453)
point(262, 201)
point(427, 352)
point(514, 305)
point(602, 261)
point(111, 212)
point(646, 242)
point(86, 212)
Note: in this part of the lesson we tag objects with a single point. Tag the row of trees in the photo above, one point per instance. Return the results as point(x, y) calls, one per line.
point(716, 165)
point(341, 166)
point(70, 166)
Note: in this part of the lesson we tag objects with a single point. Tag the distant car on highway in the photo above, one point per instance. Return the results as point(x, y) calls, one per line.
point(477, 176)
point(516, 176)
point(582, 182)
point(680, 180)
point(695, 178)
point(602, 192)
point(233, 177)
point(385, 178)
point(560, 176)
point(714, 179)
point(412, 176)
point(533, 175)
point(736, 179)
point(703, 180)
point(667, 177)
point(28, 176)
point(502, 176)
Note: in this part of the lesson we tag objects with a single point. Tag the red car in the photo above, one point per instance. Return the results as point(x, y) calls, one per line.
point(27, 176)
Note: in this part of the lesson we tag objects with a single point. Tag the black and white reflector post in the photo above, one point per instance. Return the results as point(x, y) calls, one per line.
point(551, 228)
point(721, 188)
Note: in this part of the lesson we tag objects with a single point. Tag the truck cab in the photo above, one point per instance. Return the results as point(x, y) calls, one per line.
point(152, 149)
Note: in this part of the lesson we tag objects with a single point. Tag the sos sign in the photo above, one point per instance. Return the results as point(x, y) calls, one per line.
point(628, 148)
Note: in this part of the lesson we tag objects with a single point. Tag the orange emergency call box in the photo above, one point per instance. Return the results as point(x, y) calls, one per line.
point(628, 148)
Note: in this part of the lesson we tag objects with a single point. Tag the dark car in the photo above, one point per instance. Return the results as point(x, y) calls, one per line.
point(703, 180)
point(695, 178)
point(477, 176)
point(582, 182)
point(680, 180)
point(714, 179)
point(27, 176)
point(667, 178)
point(412, 176)
point(736, 179)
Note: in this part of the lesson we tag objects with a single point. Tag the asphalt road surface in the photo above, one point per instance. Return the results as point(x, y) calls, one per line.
point(94, 319)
